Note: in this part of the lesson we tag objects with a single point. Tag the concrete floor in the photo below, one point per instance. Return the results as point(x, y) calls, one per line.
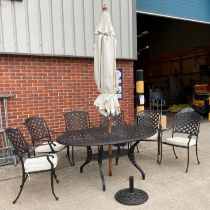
point(167, 185)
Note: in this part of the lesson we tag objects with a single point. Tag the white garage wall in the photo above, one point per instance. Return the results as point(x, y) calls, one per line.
point(64, 27)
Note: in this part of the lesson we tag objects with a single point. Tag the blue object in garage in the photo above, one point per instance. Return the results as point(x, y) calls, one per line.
point(195, 10)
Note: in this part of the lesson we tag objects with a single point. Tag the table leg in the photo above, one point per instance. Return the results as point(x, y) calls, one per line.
point(88, 159)
point(100, 167)
point(132, 158)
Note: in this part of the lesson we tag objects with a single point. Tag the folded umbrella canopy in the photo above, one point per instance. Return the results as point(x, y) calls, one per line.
point(105, 71)
point(105, 66)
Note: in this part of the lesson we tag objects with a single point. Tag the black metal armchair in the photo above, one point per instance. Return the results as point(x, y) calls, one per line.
point(151, 118)
point(41, 137)
point(115, 120)
point(184, 133)
point(76, 120)
point(31, 164)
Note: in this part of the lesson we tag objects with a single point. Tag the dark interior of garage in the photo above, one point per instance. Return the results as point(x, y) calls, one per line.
point(175, 56)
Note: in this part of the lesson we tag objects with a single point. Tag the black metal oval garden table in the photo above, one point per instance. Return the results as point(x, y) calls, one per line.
point(101, 137)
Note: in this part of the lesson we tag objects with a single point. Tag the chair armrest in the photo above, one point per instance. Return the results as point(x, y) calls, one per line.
point(57, 132)
point(51, 163)
point(50, 143)
point(45, 143)
point(46, 155)
point(161, 131)
point(190, 137)
point(31, 147)
point(165, 129)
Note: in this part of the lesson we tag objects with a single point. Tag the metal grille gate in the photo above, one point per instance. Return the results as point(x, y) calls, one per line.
point(6, 149)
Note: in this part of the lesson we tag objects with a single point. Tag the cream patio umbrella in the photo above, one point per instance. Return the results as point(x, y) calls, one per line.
point(105, 69)
point(105, 66)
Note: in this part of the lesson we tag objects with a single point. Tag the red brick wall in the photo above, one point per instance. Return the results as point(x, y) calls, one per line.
point(50, 86)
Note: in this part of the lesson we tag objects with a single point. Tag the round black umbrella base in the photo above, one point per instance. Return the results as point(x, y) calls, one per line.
point(134, 197)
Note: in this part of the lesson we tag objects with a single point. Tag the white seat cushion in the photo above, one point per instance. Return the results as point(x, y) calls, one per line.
point(40, 163)
point(154, 137)
point(180, 141)
point(46, 148)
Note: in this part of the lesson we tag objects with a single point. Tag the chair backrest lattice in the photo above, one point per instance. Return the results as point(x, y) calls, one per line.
point(37, 129)
point(149, 118)
point(187, 123)
point(16, 138)
point(76, 120)
point(115, 120)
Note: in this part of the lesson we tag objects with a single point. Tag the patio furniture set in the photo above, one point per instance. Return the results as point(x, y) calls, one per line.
point(41, 156)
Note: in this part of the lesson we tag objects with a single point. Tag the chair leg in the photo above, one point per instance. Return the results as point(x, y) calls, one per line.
point(72, 155)
point(197, 153)
point(68, 156)
point(52, 186)
point(174, 152)
point(158, 154)
point(188, 156)
point(161, 153)
point(24, 177)
point(56, 178)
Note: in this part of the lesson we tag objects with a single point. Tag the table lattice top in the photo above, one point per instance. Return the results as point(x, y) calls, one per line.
point(100, 136)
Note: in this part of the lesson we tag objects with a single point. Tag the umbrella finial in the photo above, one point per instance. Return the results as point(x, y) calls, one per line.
point(104, 7)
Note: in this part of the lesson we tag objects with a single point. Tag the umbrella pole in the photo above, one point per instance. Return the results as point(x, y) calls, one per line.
point(110, 146)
